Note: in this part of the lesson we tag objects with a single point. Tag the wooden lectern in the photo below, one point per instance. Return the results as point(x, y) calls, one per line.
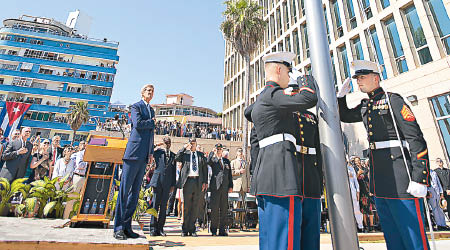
point(102, 161)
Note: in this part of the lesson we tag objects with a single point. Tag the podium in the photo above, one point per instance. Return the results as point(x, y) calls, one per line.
point(102, 161)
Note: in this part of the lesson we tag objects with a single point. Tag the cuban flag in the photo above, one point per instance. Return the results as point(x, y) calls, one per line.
point(12, 115)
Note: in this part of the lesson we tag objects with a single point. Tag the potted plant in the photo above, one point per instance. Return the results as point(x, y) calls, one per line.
point(142, 207)
point(7, 191)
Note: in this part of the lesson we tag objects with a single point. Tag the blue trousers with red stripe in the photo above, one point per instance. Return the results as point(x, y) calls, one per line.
point(403, 223)
point(310, 238)
point(280, 221)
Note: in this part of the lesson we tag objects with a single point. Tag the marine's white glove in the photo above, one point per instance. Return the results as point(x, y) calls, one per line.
point(344, 88)
point(416, 189)
point(293, 76)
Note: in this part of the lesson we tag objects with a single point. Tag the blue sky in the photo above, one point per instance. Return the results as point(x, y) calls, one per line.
point(175, 45)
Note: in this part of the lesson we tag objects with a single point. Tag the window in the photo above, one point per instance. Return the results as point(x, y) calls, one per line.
point(333, 67)
point(396, 45)
point(302, 6)
point(46, 71)
point(21, 81)
point(385, 3)
point(280, 46)
point(357, 49)
point(305, 41)
point(20, 39)
point(272, 28)
point(441, 21)
point(441, 106)
point(293, 11)
point(279, 23)
point(64, 136)
point(296, 46)
point(376, 43)
point(343, 63)
point(287, 42)
point(8, 66)
point(326, 23)
point(336, 19)
point(351, 13)
point(366, 8)
point(2, 80)
point(417, 35)
point(286, 16)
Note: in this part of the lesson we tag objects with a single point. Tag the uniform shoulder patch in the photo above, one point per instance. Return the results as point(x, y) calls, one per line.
point(407, 114)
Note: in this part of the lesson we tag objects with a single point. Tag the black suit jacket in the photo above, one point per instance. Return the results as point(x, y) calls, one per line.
point(223, 172)
point(164, 174)
point(184, 156)
point(15, 164)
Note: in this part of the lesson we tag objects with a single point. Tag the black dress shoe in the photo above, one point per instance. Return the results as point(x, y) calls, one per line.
point(443, 228)
point(184, 234)
point(162, 233)
point(194, 234)
point(223, 233)
point(130, 234)
point(153, 233)
point(120, 235)
point(214, 234)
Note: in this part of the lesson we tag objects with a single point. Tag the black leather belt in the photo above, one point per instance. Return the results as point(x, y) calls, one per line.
point(79, 175)
point(193, 177)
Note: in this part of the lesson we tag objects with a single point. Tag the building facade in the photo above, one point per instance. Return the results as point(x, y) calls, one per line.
point(180, 108)
point(51, 66)
point(409, 38)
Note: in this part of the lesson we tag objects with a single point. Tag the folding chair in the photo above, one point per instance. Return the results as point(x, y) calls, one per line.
point(235, 212)
point(251, 211)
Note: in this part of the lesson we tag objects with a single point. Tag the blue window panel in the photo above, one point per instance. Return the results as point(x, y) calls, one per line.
point(335, 6)
point(385, 3)
point(54, 93)
point(379, 55)
point(55, 125)
point(417, 34)
point(396, 45)
point(442, 22)
point(346, 67)
point(358, 49)
point(60, 50)
point(57, 64)
point(56, 78)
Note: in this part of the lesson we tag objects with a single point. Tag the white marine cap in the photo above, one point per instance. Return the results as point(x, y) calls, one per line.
point(363, 67)
point(279, 57)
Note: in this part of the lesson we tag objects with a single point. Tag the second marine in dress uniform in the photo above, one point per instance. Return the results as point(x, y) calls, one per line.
point(398, 192)
point(277, 180)
point(309, 157)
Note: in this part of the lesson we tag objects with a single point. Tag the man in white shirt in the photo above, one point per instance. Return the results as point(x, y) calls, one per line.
point(79, 175)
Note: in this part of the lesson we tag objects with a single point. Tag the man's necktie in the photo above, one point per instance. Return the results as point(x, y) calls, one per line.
point(194, 162)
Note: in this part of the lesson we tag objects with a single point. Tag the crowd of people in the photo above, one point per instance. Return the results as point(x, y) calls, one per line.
point(178, 129)
point(34, 158)
point(364, 204)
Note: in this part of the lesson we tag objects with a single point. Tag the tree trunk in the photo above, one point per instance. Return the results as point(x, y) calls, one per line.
point(73, 139)
point(246, 103)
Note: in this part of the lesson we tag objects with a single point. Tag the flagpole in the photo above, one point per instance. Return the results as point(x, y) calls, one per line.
point(340, 206)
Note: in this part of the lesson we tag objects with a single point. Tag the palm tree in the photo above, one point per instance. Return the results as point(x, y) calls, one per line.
point(78, 114)
point(244, 28)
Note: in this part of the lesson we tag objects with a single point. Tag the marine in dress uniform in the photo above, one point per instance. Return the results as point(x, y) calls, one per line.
point(311, 161)
point(277, 177)
point(398, 195)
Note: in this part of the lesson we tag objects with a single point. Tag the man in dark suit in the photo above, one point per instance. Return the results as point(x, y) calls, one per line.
point(163, 183)
point(138, 153)
point(17, 156)
point(220, 185)
point(193, 180)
